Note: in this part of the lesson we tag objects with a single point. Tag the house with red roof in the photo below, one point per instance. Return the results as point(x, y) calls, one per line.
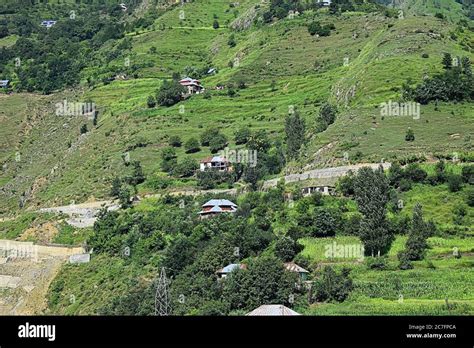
point(194, 86)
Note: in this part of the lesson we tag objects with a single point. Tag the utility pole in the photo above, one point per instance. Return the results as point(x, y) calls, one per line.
point(162, 298)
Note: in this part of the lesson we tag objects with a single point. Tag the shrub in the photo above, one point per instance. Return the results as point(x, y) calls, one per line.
point(191, 145)
point(175, 141)
point(242, 135)
point(454, 183)
point(410, 135)
point(332, 286)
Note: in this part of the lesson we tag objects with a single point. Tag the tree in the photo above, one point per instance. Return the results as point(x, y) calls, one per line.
point(416, 243)
point(327, 115)
point(116, 184)
point(332, 286)
point(168, 159)
point(265, 281)
point(231, 42)
point(410, 135)
point(208, 135)
point(137, 176)
point(187, 167)
point(175, 141)
point(371, 192)
point(178, 255)
point(124, 198)
point(218, 142)
point(454, 182)
point(242, 135)
point(447, 61)
point(191, 145)
point(294, 134)
point(286, 248)
point(151, 102)
point(326, 222)
point(259, 141)
point(170, 93)
point(84, 129)
point(467, 173)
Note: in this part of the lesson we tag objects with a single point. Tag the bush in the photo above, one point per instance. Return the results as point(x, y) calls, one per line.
point(454, 183)
point(242, 135)
point(332, 286)
point(410, 135)
point(218, 142)
point(215, 24)
point(84, 129)
point(175, 141)
point(151, 102)
point(470, 197)
point(285, 249)
point(467, 173)
point(378, 263)
point(404, 261)
point(191, 145)
point(187, 167)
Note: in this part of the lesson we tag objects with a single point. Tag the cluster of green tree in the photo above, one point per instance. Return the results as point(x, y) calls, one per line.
point(456, 83)
point(403, 178)
point(322, 30)
point(170, 93)
point(48, 59)
point(169, 163)
point(121, 186)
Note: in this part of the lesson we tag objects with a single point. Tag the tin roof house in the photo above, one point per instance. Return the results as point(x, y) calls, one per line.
point(293, 267)
point(216, 207)
point(48, 23)
point(272, 310)
point(223, 272)
point(4, 83)
point(217, 162)
point(194, 86)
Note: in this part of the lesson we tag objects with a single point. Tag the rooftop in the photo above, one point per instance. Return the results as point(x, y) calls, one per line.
point(272, 310)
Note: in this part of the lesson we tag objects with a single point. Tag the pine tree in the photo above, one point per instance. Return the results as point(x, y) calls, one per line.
point(447, 61)
point(416, 242)
point(116, 184)
point(294, 129)
point(371, 192)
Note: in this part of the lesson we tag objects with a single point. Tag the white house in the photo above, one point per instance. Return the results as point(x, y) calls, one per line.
point(217, 162)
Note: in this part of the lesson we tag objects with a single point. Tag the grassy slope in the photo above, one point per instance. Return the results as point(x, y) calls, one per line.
point(380, 59)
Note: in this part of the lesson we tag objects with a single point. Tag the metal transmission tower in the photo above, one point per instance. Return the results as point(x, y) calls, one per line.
point(162, 298)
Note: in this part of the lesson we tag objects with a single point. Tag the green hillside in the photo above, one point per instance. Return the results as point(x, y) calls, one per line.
point(260, 65)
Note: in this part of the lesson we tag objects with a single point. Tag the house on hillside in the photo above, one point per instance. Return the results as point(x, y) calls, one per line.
point(325, 190)
point(216, 207)
point(272, 310)
point(193, 86)
point(293, 267)
point(4, 83)
point(223, 272)
point(217, 162)
point(48, 23)
point(324, 2)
